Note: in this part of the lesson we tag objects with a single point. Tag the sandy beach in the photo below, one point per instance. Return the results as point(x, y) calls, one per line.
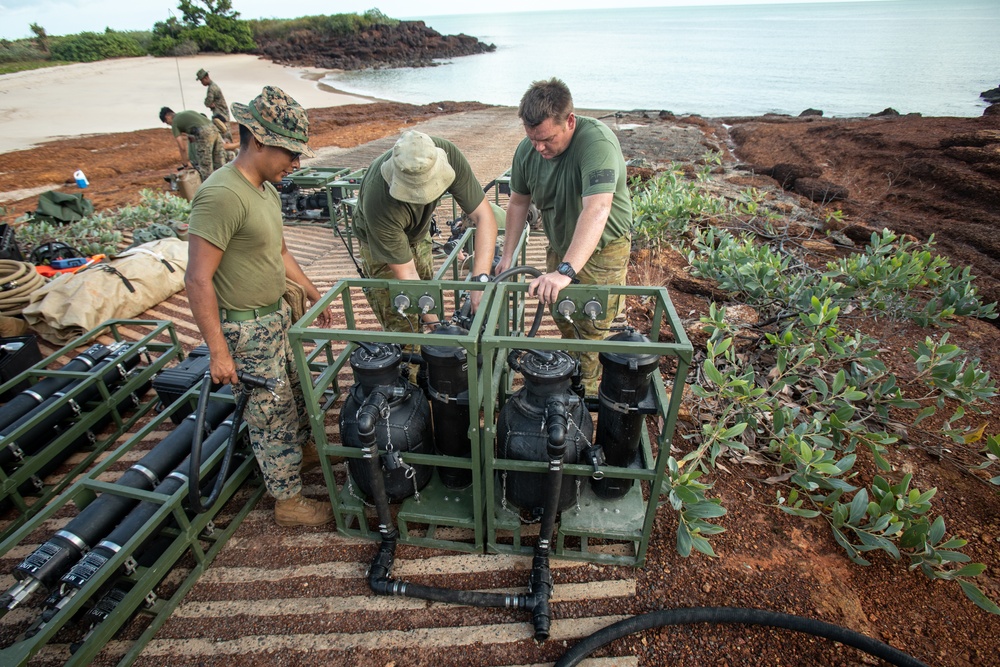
point(126, 95)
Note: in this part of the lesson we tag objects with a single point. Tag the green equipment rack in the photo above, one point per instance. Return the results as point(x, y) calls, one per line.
point(197, 539)
point(597, 530)
point(157, 342)
point(436, 517)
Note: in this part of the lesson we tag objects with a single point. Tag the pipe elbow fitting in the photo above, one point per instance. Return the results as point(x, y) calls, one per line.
point(375, 405)
point(557, 423)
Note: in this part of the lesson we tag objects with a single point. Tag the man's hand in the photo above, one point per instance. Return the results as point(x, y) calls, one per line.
point(222, 367)
point(547, 286)
point(325, 318)
point(503, 265)
point(475, 296)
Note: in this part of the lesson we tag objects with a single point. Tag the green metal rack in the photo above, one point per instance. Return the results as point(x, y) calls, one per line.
point(594, 529)
point(158, 344)
point(198, 539)
point(437, 516)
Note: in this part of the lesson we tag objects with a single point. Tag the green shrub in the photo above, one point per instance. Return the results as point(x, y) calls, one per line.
point(21, 50)
point(323, 24)
point(88, 47)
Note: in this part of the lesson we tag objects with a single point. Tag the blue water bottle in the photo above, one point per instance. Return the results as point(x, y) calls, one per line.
point(81, 180)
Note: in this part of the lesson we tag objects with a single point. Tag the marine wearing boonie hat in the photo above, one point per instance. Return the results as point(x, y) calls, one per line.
point(275, 119)
point(201, 74)
point(418, 172)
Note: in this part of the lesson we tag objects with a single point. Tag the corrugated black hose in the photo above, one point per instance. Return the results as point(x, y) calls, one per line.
point(657, 619)
point(194, 475)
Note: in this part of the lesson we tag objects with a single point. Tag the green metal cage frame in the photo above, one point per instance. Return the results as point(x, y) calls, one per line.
point(590, 531)
point(151, 343)
point(197, 536)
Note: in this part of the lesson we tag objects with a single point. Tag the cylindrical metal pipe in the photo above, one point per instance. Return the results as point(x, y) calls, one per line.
point(113, 370)
point(49, 561)
point(30, 398)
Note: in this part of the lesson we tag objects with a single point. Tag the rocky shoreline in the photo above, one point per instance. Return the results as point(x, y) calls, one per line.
point(406, 44)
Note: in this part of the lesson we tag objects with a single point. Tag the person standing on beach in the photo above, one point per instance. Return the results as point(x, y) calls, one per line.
point(392, 220)
point(216, 103)
point(572, 168)
point(197, 139)
point(237, 267)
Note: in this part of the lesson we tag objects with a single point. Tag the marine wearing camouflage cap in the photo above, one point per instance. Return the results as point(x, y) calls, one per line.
point(275, 119)
point(200, 74)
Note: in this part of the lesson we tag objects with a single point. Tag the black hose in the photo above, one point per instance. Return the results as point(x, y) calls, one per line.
point(740, 615)
point(195, 502)
point(375, 407)
point(535, 273)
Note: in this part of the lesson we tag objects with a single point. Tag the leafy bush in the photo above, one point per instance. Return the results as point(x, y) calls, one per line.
point(798, 390)
point(102, 233)
point(220, 34)
point(323, 24)
point(88, 47)
point(22, 50)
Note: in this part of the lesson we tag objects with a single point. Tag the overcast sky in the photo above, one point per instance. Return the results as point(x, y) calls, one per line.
point(62, 17)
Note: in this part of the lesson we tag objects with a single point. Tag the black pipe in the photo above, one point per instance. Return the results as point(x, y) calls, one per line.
point(112, 543)
point(34, 484)
point(535, 273)
point(540, 581)
point(194, 475)
point(740, 615)
point(50, 560)
point(30, 398)
point(36, 437)
point(376, 405)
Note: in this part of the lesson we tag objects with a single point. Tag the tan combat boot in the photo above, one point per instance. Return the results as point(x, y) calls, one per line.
point(301, 511)
point(310, 457)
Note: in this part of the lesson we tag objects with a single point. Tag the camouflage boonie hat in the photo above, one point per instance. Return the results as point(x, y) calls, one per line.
point(201, 74)
point(275, 119)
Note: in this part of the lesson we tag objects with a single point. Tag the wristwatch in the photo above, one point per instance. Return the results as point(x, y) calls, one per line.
point(481, 278)
point(566, 269)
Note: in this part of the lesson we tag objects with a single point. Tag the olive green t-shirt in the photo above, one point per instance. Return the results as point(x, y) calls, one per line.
point(245, 223)
point(388, 226)
point(185, 121)
point(591, 164)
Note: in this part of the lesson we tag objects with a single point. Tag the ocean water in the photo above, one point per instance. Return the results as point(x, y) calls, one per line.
point(845, 58)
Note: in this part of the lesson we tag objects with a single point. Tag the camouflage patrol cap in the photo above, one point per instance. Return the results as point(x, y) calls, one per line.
point(275, 119)
point(201, 74)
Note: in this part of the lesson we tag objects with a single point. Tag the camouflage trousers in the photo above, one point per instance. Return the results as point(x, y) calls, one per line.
point(205, 151)
point(278, 423)
point(380, 299)
point(609, 266)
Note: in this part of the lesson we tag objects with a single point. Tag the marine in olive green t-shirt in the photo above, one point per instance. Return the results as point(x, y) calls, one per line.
point(245, 222)
point(591, 164)
point(388, 226)
point(186, 121)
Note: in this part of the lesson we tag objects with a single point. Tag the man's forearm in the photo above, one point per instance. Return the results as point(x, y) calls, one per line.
point(589, 229)
point(182, 148)
point(205, 309)
point(486, 238)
